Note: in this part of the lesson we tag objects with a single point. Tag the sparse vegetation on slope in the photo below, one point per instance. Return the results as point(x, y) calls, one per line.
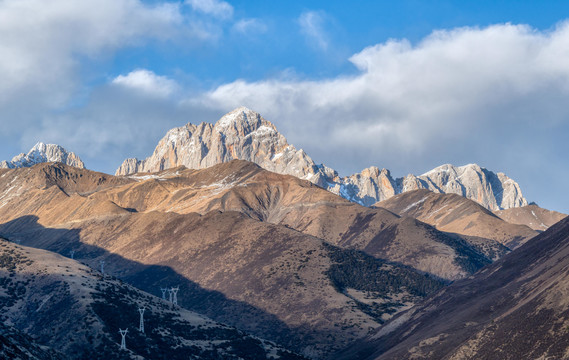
point(15, 345)
point(75, 309)
point(516, 308)
point(389, 286)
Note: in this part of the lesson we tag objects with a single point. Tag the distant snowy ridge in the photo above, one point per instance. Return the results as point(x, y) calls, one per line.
point(41, 153)
point(495, 191)
point(244, 134)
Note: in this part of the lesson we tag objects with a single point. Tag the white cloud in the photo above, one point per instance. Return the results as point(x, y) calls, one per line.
point(248, 26)
point(43, 43)
point(220, 9)
point(312, 26)
point(465, 95)
point(496, 95)
point(449, 80)
point(147, 82)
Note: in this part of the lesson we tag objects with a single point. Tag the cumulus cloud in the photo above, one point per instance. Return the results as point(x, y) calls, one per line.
point(117, 122)
point(451, 80)
point(484, 95)
point(147, 82)
point(312, 26)
point(42, 44)
point(220, 9)
point(494, 95)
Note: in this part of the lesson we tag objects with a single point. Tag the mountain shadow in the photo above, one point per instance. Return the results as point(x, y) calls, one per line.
point(151, 278)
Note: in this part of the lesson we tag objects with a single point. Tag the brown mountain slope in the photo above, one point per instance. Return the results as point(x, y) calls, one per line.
point(261, 195)
point(456, 214)
point(273, 280)
point(265, 278)
point(516, 308)
point(537, 218)
point(72, 308)
point(298, 204)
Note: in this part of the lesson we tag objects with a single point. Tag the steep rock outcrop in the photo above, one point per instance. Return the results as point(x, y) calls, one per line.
point(241, 134)
point(245, 135)
point(493, 191)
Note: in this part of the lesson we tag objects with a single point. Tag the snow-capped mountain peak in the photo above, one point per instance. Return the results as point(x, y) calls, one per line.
point(41, 153)
point(244, 134)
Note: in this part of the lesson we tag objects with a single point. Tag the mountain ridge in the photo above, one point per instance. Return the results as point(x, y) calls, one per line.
point(535, 217)
point(272, 246)
point(456, 214)
point(244, 134)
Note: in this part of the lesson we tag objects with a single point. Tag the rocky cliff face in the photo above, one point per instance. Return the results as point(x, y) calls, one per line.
point(244, 134)
point(241, 134)
point(494, 191)
point(41, 153)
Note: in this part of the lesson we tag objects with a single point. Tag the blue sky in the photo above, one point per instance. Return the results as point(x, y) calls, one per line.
point(405, 85)
point(280, 44)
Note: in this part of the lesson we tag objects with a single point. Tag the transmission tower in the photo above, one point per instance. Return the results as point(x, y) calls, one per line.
point(170, 292)
point(163, 292)
point(141, 326)
point(72, 253)
point(123, 341)
point(102, 262)
point(175, 292)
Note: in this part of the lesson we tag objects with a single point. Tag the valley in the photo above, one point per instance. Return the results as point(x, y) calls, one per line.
point(270, 261)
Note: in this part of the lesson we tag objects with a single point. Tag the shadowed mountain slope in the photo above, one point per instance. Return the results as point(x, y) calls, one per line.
point(276, 270)
point(516, 308)
point(72, 308)
point(15, 345)
point(245, 188)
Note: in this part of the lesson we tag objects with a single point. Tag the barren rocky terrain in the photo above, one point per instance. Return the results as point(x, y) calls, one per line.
point(516, 308)
point(535, 217)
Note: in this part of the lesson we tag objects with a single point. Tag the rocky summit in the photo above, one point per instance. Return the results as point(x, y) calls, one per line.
point(241, 134)
point(41, 153)
point(245, 135)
